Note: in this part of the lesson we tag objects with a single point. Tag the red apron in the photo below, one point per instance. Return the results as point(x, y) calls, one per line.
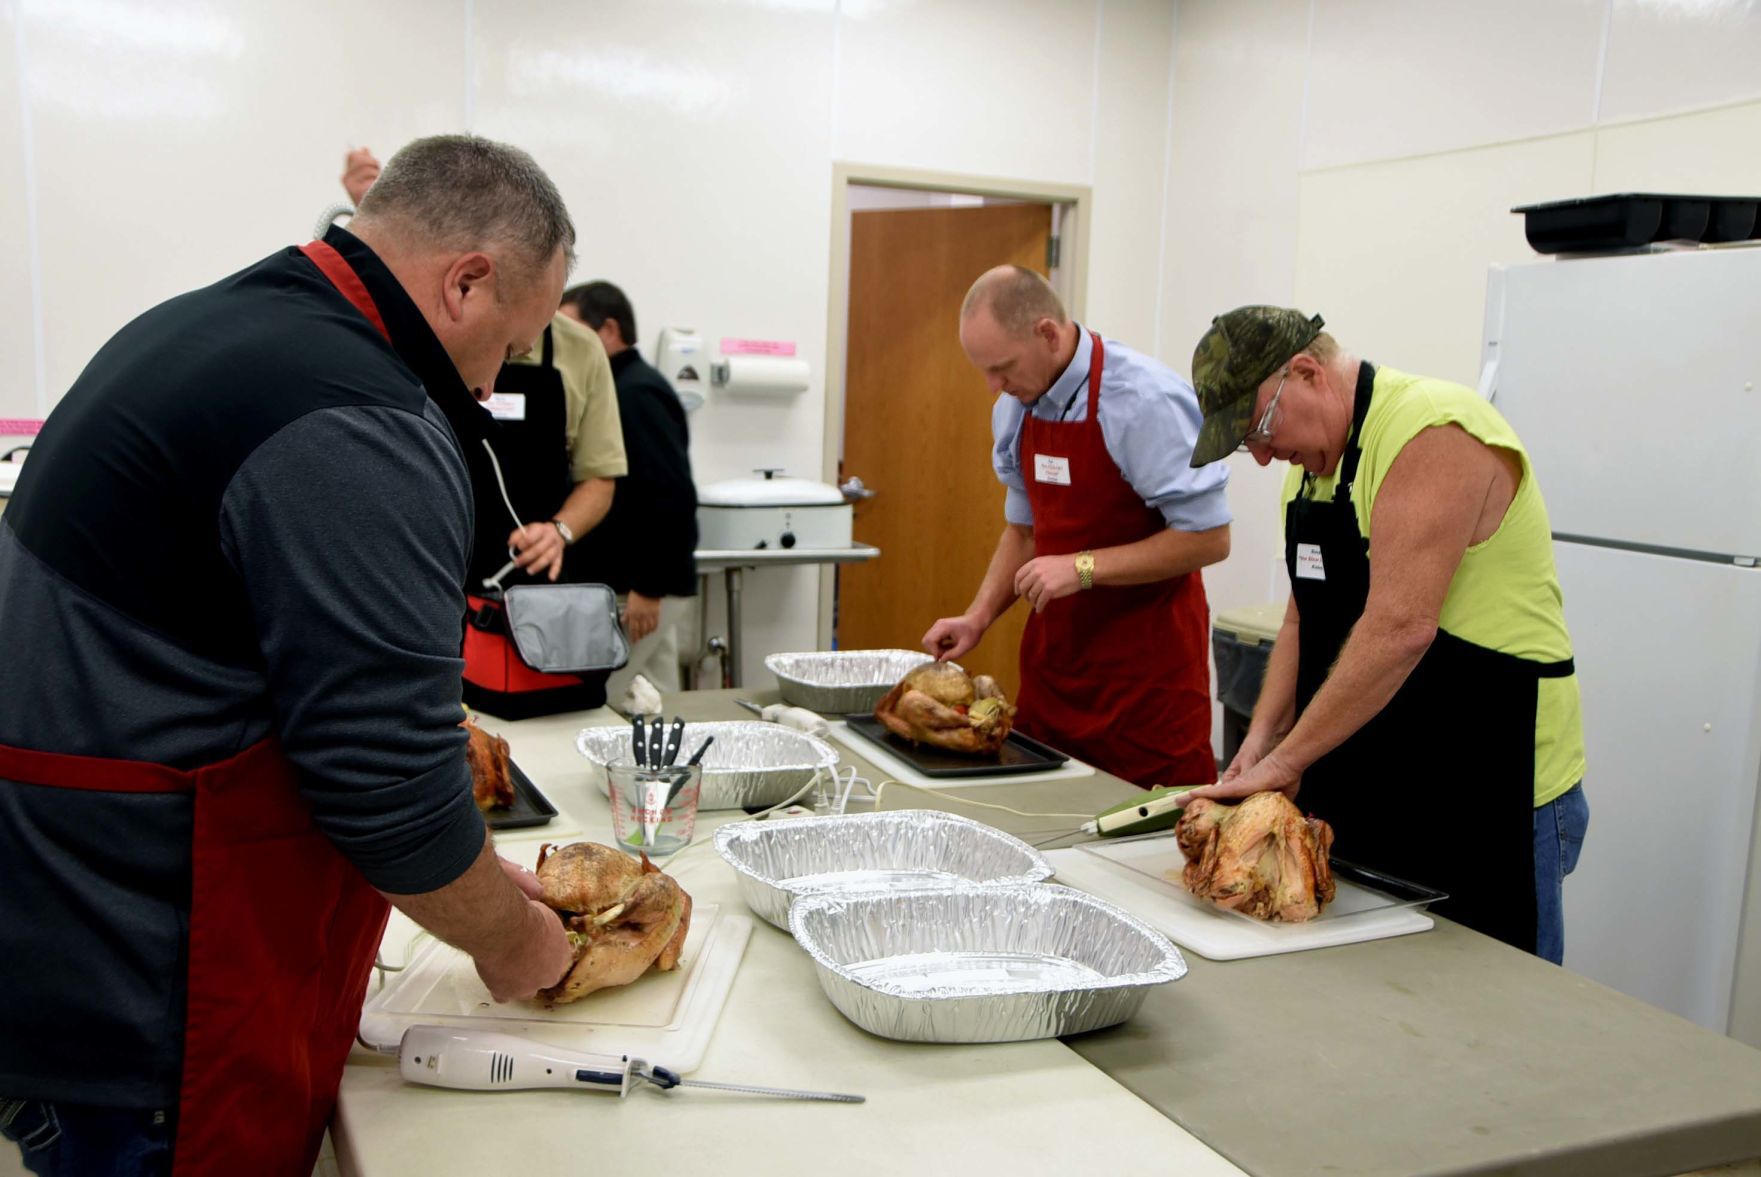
point(282, 932)
point(1116, 675)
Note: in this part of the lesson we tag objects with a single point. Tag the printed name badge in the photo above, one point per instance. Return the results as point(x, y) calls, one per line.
point(1046, 468)
point(1308, 562)
point(506, 406)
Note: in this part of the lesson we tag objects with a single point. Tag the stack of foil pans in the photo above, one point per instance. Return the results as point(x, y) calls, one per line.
point(841, 682)
point(981, 964)
point(899, 850)
point(751, 763)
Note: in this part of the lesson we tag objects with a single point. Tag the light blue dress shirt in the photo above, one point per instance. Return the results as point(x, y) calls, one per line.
point(1149, 421)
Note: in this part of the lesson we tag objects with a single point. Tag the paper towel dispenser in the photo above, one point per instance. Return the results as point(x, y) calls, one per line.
point(774, 376)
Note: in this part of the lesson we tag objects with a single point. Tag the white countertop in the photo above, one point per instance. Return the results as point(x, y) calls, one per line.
point(1029, 1107)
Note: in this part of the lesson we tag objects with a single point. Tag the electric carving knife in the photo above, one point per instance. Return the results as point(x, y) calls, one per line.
point(1156, 809)
point(473, 1060)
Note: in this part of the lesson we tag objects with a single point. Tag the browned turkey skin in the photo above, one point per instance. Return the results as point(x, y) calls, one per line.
point(622, 917)
point(491, 786)
point(940, 704)
point(1261, 857)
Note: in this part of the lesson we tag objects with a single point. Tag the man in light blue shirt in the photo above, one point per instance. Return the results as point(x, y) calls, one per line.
point(1106, 527)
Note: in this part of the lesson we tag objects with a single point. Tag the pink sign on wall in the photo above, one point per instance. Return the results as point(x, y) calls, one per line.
point(20, 426)
point(758, 347)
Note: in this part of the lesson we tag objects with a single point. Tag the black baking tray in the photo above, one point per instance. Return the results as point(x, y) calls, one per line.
point(530, 807)
point(1631, 220)
point(1019, 753)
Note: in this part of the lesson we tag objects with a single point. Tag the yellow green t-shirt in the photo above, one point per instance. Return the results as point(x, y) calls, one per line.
point(1505, 595)
point(595, 431)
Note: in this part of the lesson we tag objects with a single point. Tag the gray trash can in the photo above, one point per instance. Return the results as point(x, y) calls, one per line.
point(1241, 641)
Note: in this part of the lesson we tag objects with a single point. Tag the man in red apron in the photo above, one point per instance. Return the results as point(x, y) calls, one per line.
point(1107, 528)
point(231, 582)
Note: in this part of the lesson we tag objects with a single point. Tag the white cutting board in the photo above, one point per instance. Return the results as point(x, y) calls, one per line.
point(663, 1017)
point(896, 769)
point(1220, 935)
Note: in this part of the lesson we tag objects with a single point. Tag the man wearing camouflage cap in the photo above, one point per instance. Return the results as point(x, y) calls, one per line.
point(1421, 693)
point(1106, 526)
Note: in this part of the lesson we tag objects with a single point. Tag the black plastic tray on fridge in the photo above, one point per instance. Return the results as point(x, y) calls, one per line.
point(530, 807)
point(1019, 753)
point(1632, 220)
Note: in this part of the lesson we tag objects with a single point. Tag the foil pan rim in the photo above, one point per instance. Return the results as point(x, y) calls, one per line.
point(1172, 967)
point(1040, 870)
point(827, 755)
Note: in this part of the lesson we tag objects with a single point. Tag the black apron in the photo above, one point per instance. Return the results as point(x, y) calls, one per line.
point(1438, 788)
point(534, 457)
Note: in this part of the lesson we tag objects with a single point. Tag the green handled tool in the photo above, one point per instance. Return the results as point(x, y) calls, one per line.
point(1156, 809)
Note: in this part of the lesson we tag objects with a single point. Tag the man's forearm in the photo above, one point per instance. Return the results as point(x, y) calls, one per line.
point(1162, 556)
point(1275, 710)
point(1377, 658)
point(587, 505)
point(997, 591)
point(481, 911)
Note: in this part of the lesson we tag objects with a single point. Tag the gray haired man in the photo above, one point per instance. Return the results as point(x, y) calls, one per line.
point(232, 581)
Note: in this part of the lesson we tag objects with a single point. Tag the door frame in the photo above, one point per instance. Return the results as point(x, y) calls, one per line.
point(1073, 228)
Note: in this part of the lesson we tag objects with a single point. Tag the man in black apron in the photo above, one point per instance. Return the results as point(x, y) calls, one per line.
point(1421, 691)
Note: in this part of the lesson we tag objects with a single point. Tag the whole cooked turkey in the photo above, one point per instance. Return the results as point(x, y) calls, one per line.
point(940, 704)
point(1261, 857)
point(621, 917)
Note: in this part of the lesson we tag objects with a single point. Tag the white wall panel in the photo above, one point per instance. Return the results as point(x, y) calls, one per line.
point(1670, 55)
point(1711, 151)
point(984, 87)
point(18, 350)
point(1397, 79)
point(699, 176)
point(178, 143)
point(1231, 239)
point(1395, 254)
point(1130, 116)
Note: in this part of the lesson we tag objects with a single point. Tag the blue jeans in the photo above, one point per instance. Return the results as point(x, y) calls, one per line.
point(1559, 838)
point(73, 1140)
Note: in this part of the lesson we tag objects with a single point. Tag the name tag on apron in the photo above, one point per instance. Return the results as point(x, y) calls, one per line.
point(1308, 562)
point(1046, 468)
point(506, 406)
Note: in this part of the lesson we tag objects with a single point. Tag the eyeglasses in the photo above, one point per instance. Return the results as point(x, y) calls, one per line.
point(1261, 434)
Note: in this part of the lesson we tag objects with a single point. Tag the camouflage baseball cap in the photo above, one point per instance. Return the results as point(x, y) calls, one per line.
point(1241, 349)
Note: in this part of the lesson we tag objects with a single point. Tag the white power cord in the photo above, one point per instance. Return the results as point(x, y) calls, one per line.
point(966, 801)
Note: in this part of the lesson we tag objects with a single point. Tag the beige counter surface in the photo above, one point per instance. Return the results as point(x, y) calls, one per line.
point(1440, 1053)
point(1034, 1107)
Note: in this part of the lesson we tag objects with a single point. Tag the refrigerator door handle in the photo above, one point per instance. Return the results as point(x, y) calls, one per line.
point(1489, 381)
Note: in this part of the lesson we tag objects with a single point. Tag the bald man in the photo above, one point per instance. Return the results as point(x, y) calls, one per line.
point(1106, 528)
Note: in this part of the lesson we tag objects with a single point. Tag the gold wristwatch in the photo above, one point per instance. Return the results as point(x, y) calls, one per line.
point(1085, 570)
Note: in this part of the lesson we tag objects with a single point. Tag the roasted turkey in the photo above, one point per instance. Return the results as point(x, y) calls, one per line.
point(622, 916)
point(491, 786)
point(1261, 857)
point(939, 704)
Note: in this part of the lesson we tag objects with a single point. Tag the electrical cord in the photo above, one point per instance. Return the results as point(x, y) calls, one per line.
point(964, 801)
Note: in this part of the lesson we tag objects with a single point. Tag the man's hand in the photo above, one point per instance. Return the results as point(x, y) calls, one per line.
point(951, 637)
point(1044, 579)
point(536, 956)
point(538, 548)
point(359, 170)
point(1267, 775)
point(641, 616)
point(522, 878)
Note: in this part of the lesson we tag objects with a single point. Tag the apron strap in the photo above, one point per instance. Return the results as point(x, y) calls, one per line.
point(342, 276)
point(549, 347)
point(1096, 357)
point(95, 773)
point(1360, 411)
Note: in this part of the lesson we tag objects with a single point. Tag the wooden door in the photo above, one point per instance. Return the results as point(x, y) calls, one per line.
point(917, 425)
